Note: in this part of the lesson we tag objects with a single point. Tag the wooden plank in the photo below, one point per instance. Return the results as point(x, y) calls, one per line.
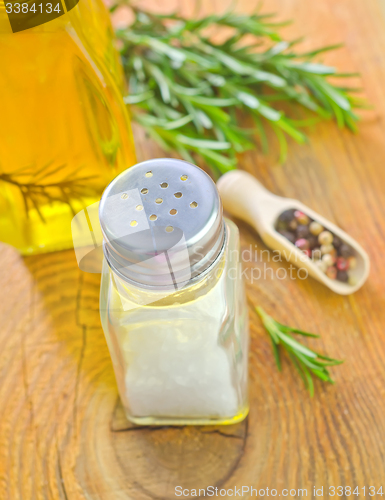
point(62, 433)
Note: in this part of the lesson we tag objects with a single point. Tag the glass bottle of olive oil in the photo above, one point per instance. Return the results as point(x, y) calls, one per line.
point(64, 129)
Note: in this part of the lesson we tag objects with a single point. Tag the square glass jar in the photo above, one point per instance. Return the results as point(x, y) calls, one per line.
point(182, 357)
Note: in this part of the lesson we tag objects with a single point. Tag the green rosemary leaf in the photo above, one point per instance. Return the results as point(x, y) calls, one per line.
point(268, 112)
point(264, 76)
point(318, 69)
point(347, 75)
point(220, 161)
point(185, 91)
point(261, 133)
point(286, 339)
point(350, 121)
point(248, 100)
point(180, 122)
point(135, 99)
point(198, 119)
point(288, 329)
point(176, 70)
point(275, 50)
point(309, 380)
point(325, 364)
point(238, 141)
point(276, 354)
point(215, 80)
point(235, 65)
point(203, 119)
point(163, 48)
point(161, 137)
point(310, 363)
point(160, 109)
point(326, 358)
point(281, 141)
point(269, 324)
point(161, 81)
point(334, 94)
point(184, 153)
point(323, 376)
point(203, 143)
point(216, 113)
point(338, 114)
point(204, 62)
point(297, 366)
point(292, 131)
point(305, 361)
point(308, 103)
point(316, 52)
point(213, 101)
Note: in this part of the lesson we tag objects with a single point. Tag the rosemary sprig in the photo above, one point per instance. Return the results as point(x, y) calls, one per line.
point(305, 361)
point(37, 191)
point(189, 92)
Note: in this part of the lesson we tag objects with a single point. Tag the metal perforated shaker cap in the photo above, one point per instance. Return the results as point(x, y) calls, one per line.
point(162, 223)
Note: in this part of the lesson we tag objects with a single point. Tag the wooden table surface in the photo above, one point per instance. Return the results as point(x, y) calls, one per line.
point(62, 432)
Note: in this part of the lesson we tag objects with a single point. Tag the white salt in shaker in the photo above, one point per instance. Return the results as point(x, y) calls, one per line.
point(172, 297)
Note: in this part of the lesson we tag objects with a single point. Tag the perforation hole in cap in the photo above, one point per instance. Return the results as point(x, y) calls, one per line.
point(124, 196)
point(193, 204)
point(159, 201)
point(133, 223)
point(139, 207)
point(164, 185)
point(144, 191)
point(149, 173)
point(184, 177)
point(173, 211)
point(178, 194)
point(153, 217)
point(169, 229)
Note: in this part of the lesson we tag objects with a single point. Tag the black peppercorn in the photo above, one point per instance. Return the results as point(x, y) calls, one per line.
point(288, 235)
point(313, 242)
point(345, 250)
point(287, 215)
point(342, 276)
point(337, 242)
point(302, 231)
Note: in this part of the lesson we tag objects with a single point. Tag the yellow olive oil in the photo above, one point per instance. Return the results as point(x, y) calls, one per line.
point(64, 129)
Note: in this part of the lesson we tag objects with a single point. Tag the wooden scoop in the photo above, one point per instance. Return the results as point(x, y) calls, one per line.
point(244, 197)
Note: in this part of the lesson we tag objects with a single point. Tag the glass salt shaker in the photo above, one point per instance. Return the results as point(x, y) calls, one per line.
point(172, 298)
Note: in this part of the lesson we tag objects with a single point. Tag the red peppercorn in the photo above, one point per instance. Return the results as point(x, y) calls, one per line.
point(302, 244)
point(342, 264)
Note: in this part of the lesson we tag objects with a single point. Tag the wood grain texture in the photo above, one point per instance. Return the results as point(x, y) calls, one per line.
point(62, 432)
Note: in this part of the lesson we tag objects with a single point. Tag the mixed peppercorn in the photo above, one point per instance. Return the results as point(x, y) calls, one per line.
point(333, 256)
